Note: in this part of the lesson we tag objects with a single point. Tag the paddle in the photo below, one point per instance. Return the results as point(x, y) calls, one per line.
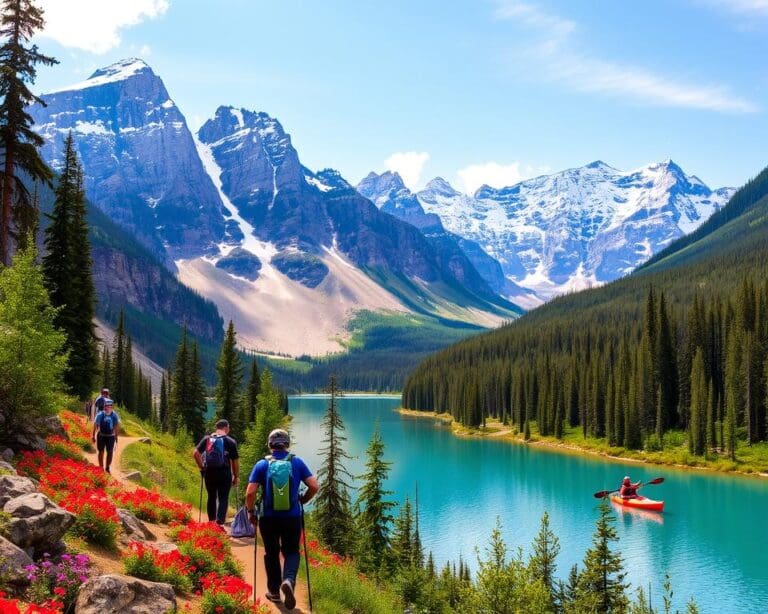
point(604, 493)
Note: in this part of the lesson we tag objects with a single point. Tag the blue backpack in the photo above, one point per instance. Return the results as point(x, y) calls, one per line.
point(279, 477)
point(107, 424)
point(214, 452)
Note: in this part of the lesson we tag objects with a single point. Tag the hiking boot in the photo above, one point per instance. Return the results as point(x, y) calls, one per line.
point(274, 597)
point(286, 588)
point(107, 470)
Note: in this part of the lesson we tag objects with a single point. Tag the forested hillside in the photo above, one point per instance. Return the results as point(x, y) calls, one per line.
point(681, 343)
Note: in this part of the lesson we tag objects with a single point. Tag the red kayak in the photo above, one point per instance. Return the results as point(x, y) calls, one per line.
point(639, 502)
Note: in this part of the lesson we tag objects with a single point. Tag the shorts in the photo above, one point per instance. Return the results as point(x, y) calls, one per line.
point(105, 442)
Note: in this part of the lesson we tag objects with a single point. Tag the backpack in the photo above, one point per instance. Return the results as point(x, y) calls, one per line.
point(279, 476)
point(213, 457)
point(107, 424)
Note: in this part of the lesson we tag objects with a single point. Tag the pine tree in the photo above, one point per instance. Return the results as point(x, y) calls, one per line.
point(128, 391)
point(402, 537)
point(601, 587)
point(542, 563)
point(106, 366)
point(119, 379)
point(252, 392)
point(19, 21)
point(698, 411)
point(229, 372)
point(195, 416)
point(373, 517)
point(180, 397)
point(332, 504)
point(162, 409)
point(68, 276)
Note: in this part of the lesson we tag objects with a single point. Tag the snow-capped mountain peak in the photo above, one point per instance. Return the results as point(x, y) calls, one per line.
point(593, 223)
point(119, 71)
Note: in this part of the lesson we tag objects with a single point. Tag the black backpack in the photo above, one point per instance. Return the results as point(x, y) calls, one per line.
point(214, 457)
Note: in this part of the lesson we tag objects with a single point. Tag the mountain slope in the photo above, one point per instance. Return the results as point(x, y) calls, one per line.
point(241, 221)
point(139, 159)
point(580, 347)
point(388, 192)
point(577, 228)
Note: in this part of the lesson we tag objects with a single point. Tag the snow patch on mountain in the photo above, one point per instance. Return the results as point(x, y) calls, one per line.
point(578, 228)
point(119, 71)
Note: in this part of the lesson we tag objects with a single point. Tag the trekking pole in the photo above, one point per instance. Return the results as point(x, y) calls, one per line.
point(306, 556)
point(255, 553)
point(200, 507)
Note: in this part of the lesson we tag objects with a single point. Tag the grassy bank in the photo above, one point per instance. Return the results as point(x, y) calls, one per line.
point(674, 452)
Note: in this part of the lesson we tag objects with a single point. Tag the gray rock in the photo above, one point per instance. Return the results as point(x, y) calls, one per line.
point(53, 426)
point(12, 486)
point(37, 523)
point(156, 477)
point(7, 455)
point(13, 563)
point(134, 528)
point(119, 594)
point(7, 468)
point(145, 440)
point(133, 476)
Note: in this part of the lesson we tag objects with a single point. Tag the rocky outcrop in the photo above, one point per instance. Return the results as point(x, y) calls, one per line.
point(307, 269)
point(133, 528)
point(119, 594)
point(37, 523)
point(241, 263)
point(13, 564)
point(12, 486)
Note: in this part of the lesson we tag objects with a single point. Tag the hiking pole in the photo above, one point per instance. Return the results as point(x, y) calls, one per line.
point(306, 556)
point(255, 552)
point(200, 507)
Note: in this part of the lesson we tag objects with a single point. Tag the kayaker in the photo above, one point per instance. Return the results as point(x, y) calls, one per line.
point(628, 490)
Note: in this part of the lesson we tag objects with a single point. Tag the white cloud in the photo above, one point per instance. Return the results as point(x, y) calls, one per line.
point(493, 174)
point(94, 25)
point(555, 57)
point(409, 165)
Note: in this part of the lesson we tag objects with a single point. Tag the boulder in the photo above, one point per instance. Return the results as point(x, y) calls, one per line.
point(133, 476)
point(53, 426)
point(13, 564)
point(134, 528)
point(12, 486)
point(7, 468)
point(116, 593)
point(28, 440)
point(7, 455)
point(37, 523)
point(145, 440)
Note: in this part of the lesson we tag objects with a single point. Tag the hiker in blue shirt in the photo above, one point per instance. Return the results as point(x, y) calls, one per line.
point(98, 404)
point(278, 477)
point(105, 429)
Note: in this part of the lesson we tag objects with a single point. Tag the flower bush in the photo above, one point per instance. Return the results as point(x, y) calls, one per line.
point(143, 561)
point(207, 546)
point(56, 445)
point(61, 578)
point(228, 595)
point(153, 507)
point(97, 519)
point(77, 428)
point(14, 606)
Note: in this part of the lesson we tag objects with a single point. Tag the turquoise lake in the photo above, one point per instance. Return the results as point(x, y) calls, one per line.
point(711, 538)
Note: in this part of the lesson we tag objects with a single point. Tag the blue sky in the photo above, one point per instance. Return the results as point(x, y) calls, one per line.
point(472, 90)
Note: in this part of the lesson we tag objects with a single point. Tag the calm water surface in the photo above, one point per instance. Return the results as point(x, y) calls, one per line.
point(711, 539)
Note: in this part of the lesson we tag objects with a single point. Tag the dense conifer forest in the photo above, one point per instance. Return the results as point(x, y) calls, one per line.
point(680, 344)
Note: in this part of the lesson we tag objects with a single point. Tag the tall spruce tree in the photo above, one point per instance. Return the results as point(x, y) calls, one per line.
point(333, 516)
point(162, 408)
point(542, 563)
point(252, 390)
point(195, 417)
point(373, 517)
point(119, 362)
point(68, 275)
point(180, 397)
point(601, 587)
point(697, 427)
point(19, 21)
point(229, 382)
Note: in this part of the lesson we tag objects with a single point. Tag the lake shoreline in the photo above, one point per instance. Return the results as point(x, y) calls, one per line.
point(506, 433)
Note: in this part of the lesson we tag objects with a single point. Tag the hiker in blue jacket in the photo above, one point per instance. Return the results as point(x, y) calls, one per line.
point(105, 428)
point(278, 477)
point(217, 457)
